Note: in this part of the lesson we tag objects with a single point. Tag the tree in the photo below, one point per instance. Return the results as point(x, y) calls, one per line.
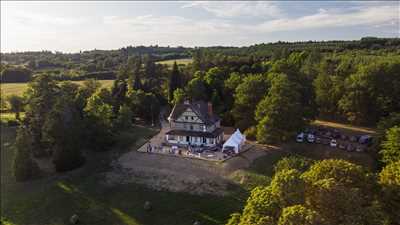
point(280, 113)
point(293, 162)
point(24, 166)
point(16, 104)
point(197, 89)
point(99, 120)
point(174, 81)
point(64, 129)
point(261, 204)
point(40, 100)
point(119, 90)
point(179, 96)
point(124, 118)
point(391, 146)
point(341, 193)
point(298, 215)
point(288, 187)
point(247, 95)
point(389, 179)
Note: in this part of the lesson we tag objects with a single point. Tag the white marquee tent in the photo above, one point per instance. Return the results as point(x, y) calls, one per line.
point(234, 142)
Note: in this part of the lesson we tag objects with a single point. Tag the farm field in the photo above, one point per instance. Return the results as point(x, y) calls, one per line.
point(178, 61)
point(19, 88)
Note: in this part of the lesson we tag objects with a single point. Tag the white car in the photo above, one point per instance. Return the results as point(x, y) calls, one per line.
point(300, 137)
point(333, 143)
point(310, 138)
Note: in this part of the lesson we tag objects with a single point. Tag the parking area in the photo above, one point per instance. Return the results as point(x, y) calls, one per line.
point(335, 138)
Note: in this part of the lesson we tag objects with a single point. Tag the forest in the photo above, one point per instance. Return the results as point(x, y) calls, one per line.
point(269, 91)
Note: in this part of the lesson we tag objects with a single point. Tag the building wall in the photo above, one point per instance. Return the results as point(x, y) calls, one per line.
point(179, 139)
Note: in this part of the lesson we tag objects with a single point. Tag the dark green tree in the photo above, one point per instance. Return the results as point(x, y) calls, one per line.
point(24, 166)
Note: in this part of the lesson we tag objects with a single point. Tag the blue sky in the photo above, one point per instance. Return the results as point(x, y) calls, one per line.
point(73, 26)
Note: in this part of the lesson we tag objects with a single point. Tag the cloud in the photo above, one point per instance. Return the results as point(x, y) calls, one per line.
point(24, 17)
point(379, 15)
point(230, 9)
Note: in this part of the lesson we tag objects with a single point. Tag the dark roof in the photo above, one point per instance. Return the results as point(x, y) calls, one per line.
point(192, 133)
point(199, 107)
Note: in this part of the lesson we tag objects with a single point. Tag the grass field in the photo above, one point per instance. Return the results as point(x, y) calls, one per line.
point(178, 61)
point(19, 88)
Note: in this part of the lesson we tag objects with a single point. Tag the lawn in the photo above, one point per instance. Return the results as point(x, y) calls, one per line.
point(52, 200)
point(19, 88)
point(178, 61)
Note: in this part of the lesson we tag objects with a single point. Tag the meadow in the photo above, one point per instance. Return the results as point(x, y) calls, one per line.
point(178, 61)
point(19, 88)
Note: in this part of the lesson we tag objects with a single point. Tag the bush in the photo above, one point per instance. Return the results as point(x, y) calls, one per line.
point(24, 166)
point(251, 133)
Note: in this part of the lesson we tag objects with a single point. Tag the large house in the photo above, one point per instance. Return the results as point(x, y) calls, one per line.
point(194, 124)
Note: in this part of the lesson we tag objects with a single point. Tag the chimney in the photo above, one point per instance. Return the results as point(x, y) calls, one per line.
point(210, 110)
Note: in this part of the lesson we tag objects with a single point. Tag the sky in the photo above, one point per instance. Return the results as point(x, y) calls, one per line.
point(73, 26)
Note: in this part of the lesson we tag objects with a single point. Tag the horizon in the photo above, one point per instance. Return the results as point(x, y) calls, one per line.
point(71, 27)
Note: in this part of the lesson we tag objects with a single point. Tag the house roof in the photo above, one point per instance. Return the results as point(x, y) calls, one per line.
point(199, 107)
point(192, 133)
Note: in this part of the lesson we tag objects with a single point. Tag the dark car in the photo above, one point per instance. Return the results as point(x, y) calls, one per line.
point(350, 148)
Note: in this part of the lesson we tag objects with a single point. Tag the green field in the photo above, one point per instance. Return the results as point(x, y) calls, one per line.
point(178, 61)
point(19, 88)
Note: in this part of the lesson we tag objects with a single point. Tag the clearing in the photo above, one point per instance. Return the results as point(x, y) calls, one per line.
point(19, 88)
point(178, 61)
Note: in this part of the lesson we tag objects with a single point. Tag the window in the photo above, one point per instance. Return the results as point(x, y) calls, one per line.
point(186, 117)
point(191, 127)
point(192, 118)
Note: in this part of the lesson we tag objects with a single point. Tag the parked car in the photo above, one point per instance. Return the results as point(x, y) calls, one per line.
point(325, 141)
point(318, 140)
point(353, 138)
point(333, 143)
point(310, 138)
point(365, 139)
point(343, 137)
point(342, 146)
point(359, 149)
point(350, 147)
point(300, 137)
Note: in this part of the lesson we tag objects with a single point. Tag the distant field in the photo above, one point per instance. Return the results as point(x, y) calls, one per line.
point(178, 61)
point(19, 88)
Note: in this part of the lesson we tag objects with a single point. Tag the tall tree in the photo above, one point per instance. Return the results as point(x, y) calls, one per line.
point(64, 129)
point(40, 100)
point(174, 81)
point(280, 113)
point(247, 95)
point(23, 165)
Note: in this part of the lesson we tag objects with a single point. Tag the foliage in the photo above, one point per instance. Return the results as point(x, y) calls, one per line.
point(174, 82)
point(389, 179)
point(179, 96)
point(16, 104)
point(391, 146)
point(293, 162)
point(298, 215)
point(280, 113)
point(16, 75)
point(247, 95)
point(24, 166)
point(63, 130)
point(40, 100)
point(329, 192)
